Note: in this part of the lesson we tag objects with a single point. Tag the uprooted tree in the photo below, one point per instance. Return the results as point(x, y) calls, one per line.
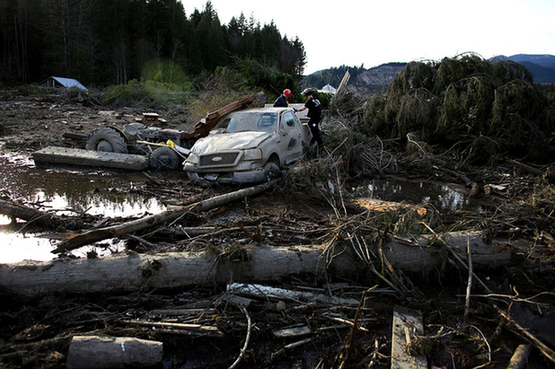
point(487, 108)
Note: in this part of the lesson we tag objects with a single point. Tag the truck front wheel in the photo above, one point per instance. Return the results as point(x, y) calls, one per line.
point(272, 170)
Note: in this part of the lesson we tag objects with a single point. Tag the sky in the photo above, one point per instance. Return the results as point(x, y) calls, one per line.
point(370, 33)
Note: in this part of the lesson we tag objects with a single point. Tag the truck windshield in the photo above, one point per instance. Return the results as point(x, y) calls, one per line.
point(248, 121)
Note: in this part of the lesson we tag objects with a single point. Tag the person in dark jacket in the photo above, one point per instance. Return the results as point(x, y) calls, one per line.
point(281, 101)
point(315, 114)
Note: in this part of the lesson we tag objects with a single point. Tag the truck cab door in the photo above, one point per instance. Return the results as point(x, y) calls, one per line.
point(291, 137)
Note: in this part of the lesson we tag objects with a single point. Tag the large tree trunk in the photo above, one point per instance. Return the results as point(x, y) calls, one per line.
point(257, 264)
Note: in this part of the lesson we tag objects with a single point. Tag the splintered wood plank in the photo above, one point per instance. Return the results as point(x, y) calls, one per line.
point(407, 323)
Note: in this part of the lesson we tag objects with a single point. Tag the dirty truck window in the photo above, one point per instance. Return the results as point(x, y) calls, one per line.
point(289, 120)
point(242, 121)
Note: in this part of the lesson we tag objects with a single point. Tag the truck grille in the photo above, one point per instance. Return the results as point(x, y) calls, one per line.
point(218, 160)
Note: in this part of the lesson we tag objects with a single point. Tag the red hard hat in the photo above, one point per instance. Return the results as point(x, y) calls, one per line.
point(287, 92)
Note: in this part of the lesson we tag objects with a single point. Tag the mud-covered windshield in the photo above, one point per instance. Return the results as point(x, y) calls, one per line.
point(248, 121)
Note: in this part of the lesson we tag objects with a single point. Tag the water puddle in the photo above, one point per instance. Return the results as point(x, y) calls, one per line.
point(65, 191)
point(444, 197)
point(106, 193)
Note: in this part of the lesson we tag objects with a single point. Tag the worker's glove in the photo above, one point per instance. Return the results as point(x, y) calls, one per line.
point(295, 110)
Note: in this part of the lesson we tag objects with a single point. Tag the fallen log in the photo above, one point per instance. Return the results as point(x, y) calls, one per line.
point(267, 292)
point(89, 158)
point(385, 206)
point(93, 352)
point(260, 264)
point(75, 241)
point(189, 329)
point(37, 217)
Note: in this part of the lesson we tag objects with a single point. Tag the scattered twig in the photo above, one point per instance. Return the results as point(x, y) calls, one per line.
point(457, 257)
point(247, 339)
point(488, 346)
point(528, 300)
point(350, 338)
point(518, 329)
point(469, 285)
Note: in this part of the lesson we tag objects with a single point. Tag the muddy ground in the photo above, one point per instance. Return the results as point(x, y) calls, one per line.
point(36, 333)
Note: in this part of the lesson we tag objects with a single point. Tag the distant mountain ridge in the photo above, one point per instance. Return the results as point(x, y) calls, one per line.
point(377, 78)
point(368, 81)
point(362, 81)
point(542, 66)
point(544, 60)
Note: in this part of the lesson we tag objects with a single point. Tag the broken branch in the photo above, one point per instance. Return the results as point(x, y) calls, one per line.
point(77, 240)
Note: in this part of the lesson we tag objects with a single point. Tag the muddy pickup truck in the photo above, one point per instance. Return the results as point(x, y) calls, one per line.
point(249, 146)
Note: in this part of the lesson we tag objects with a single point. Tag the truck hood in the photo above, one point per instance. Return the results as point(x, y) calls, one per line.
point(229, 141)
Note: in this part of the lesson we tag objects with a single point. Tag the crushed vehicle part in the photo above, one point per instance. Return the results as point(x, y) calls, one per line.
point(107, 139)
point(139, 138)
point(150, 118)
point(136, 132)
point(165, 158)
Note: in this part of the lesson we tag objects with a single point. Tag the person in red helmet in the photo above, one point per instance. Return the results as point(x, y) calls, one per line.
point(281, 101)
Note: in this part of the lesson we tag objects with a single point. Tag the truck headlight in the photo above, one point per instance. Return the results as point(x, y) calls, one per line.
point(252, 154)
point(192, 158)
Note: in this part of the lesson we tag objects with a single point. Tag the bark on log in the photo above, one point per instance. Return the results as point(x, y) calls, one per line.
point(37, 217)
point(77, 240)
point(519, 360)
point(93, 352)
point(262, 264)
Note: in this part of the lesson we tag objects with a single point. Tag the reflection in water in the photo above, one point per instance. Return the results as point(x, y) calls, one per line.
point(441, 196)
point(65, 192)
point(16, 247)
point(78, 191)
point(99, 203)
point(70, 192)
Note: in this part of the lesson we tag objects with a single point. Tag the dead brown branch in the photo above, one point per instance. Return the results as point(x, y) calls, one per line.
point(37, 217)
point(514, 326)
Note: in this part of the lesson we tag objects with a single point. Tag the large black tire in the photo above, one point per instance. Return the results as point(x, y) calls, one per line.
point(164, 158)
point(106, 139)
point(272, 170)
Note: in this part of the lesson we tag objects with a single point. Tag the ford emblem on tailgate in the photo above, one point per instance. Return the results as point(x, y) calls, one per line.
point(217, 158)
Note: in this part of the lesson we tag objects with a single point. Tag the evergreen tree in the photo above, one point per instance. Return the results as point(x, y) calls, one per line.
point(104, 42)
point(211, 39)
point(497, 104)
point(21, 53)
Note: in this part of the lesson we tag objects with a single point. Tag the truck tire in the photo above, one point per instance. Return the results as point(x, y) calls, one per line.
point(164, 158)
point(106, 139)
point(272, 170)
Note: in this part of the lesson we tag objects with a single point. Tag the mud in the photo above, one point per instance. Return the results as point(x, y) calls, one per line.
point(37, 333)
